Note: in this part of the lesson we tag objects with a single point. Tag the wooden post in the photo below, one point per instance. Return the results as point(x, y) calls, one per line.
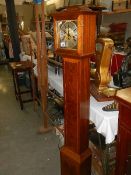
point(42, 66)
point(38, 34)
point(44, 75)
point(13, 28)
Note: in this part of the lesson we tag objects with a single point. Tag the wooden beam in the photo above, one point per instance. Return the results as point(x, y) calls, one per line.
point(38, 34)
point(42, 66)
point(44, 73)
point(13, 28)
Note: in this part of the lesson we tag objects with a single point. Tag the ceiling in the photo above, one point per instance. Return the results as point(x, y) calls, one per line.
point(17, 2)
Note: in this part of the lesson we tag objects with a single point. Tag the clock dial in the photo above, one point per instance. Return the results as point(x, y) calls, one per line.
point(68, 34)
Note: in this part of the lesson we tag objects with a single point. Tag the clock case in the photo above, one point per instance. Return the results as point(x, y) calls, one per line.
point(86, 28)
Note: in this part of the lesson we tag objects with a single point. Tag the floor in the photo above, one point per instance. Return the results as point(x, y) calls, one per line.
point(22, 150)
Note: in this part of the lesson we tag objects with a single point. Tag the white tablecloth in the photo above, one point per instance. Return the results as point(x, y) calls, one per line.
point(55, 80)
point(106, 122)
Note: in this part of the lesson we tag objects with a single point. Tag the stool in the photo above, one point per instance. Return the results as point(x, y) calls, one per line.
point(17, 68)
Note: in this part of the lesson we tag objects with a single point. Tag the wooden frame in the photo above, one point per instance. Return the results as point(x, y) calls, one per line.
point(119, 5)
point(87, 49)
point(76, 2)
point(129, 4)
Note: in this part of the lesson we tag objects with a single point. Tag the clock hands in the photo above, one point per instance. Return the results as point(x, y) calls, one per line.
point(74, 38)
point(68, 32)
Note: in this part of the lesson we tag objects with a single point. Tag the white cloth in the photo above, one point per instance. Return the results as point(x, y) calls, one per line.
point(55, 80)
point(106, 122)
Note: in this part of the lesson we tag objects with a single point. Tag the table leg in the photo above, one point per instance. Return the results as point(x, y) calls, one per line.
point(30, 79)
point(18, 91)
point(14, 82)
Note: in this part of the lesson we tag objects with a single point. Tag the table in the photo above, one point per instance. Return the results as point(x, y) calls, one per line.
point(17, 68)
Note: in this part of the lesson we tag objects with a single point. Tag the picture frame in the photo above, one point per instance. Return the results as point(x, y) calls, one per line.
point(129, 4)
point(116, 6)
point(88, 2)
point(75, 2)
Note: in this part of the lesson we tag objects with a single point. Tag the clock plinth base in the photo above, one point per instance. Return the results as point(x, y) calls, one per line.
point(75, 164)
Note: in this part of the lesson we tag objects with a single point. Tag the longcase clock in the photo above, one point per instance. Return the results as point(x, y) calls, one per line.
point(75, 34)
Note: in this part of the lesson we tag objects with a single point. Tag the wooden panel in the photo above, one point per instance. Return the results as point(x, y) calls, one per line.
point(87, 29)
point(76, 95)
point(123, 153)
point(75, 164)
point(126, 119)
point(71, 101)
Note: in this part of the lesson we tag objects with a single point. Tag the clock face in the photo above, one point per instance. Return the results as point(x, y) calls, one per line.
point(68, 34)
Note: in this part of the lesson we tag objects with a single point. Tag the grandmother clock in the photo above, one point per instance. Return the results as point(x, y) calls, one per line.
point(75, 31)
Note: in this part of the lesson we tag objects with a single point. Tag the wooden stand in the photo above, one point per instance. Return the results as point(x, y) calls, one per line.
point(17, 68)
point(123, 152)
point(99, 96)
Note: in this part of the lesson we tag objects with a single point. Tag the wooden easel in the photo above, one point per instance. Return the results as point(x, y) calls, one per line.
point(42, 66)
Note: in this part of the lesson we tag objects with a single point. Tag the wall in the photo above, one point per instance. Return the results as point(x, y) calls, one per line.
point(2, 10)
point(27, 12)
point(123, 17)
point(58, 3)
point(24, 11)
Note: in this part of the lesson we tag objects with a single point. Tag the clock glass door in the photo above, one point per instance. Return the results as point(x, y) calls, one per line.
point(67, 34)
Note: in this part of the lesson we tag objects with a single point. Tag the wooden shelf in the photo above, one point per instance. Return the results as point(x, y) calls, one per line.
point(4, 23)
point(54, 62)
point(117, 12)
